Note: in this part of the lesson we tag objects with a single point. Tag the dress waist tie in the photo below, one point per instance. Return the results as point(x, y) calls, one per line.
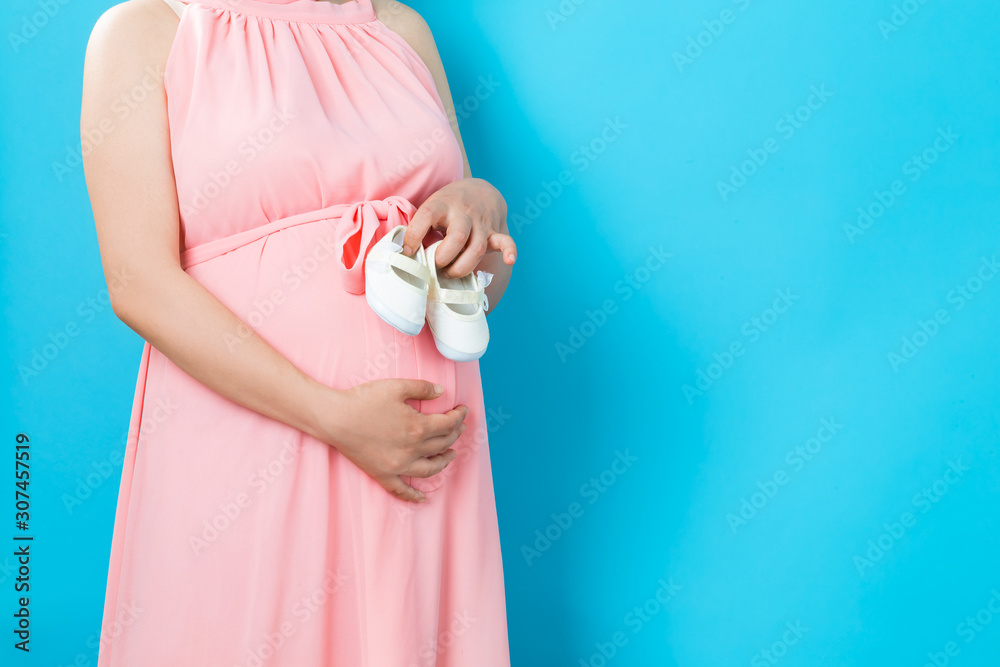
point(357, 226)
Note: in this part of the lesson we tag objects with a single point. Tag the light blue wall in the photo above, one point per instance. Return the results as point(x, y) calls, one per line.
point(886, 434)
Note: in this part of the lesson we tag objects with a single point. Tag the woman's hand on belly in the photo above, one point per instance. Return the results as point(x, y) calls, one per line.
point(376, 429)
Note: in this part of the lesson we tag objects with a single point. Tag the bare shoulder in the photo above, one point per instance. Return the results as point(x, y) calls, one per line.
point(130, 33)
point(408, 24)
point(127, 49)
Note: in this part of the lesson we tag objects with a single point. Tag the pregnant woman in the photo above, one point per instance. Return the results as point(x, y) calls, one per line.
point(303, 485)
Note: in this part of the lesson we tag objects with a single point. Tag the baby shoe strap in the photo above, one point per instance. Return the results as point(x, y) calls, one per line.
point(455, 295)
point(386, 260)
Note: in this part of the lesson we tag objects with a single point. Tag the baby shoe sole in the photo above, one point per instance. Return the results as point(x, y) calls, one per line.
point(392, 319)
point(453, 354)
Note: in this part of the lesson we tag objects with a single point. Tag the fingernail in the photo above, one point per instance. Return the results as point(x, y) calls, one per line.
point(421, 499)
point(438, 389)
point(462, 429)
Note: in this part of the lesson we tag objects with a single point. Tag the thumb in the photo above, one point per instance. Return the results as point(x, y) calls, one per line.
point(421, 389)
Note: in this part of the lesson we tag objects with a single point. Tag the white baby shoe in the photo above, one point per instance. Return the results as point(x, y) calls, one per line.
point(456, 311)
point(396, 285)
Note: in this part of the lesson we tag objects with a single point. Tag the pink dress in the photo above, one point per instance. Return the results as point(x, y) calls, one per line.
point(301, 131)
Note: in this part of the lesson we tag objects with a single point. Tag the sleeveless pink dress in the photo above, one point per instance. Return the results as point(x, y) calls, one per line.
point(301, 131)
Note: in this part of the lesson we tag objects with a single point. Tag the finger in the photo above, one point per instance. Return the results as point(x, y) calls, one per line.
point(457, 234)
point(397, 487)
point(446, 452)
point(430, 448)
point(503, 244)
point(425, 467)
point(419, 389)
point(445, 456)
point(439, 424)
point(470, 256)
point(427, 215)
point(444, 443)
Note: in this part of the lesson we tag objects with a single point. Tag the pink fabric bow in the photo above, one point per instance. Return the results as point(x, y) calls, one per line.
point(359, 228)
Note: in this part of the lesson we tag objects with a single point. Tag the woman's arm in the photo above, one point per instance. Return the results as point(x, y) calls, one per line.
point(130, 180)
point(472, 212)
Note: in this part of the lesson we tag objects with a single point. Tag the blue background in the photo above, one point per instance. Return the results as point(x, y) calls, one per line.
point(595, 93)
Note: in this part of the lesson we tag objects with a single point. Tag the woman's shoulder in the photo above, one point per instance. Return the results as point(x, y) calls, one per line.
point(387, 10)
point(128, 44)
point(133, 28)
point(404, 21)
